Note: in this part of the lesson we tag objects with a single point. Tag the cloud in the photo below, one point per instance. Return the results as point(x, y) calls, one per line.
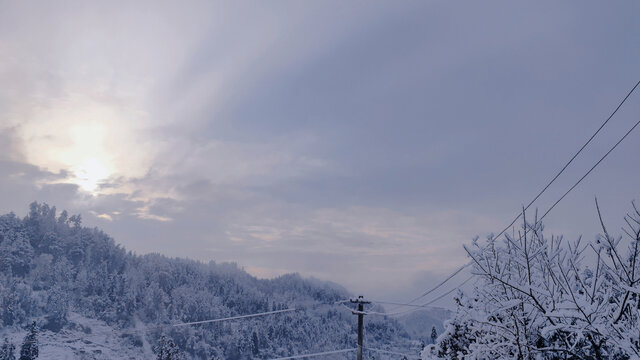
point(355, 142)
point(102, 216)
point(116, 106)
point(381, 243)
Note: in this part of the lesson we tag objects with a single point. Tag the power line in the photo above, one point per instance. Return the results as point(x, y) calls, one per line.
point(148, 328)
point(239, 317)
point(442, 282)
point(570, 160)
point(530, 203)
point(315, 354)
point(256, 314)
point(549, 184)
point(456, 272)
point(410, 304)
point(399, 304)
point(392, 352)
point(590, 170)
point(395, 303)
point(234, 317)
point(416, 307)
point(448, 292)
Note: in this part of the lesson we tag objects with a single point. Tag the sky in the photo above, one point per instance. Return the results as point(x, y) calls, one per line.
point(359, 142)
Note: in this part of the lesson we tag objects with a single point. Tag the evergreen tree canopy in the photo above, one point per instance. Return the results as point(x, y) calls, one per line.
point(434, 334)
point(7, 352)
point(167, 350)
point(29, 350)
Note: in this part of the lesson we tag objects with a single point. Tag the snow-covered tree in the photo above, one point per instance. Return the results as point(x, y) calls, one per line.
point(434, 334)
point(7, 352)
point(56, 309)
point(29, 349)
point(167, 350)
point(536, 297)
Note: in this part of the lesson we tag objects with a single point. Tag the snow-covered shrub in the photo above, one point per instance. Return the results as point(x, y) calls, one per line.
point(536, 297)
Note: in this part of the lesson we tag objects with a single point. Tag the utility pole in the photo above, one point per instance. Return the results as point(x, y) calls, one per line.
point(360, 301)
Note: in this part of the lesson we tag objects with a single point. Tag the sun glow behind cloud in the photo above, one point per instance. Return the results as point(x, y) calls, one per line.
point(90, 174)
point(92, 142)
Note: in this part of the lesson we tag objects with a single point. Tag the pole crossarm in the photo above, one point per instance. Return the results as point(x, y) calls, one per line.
point(359, 300)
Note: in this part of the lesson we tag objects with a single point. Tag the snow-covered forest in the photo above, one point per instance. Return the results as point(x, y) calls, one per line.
point(93, 299)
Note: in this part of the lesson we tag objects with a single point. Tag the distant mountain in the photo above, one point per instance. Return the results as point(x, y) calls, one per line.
point(419, 323)
point(92, 299)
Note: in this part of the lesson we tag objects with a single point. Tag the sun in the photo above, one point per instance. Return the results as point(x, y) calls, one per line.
point(87, 142)
point(78, 139)
point(90, 175)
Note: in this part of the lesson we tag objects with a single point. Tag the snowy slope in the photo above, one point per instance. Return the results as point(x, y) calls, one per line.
point(84, 338)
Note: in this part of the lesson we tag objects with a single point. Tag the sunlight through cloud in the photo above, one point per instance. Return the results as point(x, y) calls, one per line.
point(93, 142)
point(90, 174)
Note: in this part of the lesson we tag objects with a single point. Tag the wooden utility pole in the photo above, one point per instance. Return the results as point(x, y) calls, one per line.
point(360, 301)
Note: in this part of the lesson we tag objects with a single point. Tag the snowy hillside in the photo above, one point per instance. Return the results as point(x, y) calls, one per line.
point(91, 299)
point(82, 338)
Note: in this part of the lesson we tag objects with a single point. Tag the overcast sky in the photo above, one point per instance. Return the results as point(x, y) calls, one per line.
point(361, 142)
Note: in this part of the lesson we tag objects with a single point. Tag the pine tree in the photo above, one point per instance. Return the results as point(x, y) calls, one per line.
point(161, 349)
point(7, 352)
point(56, 309)
point(255, 343)
point(434, 334)
point(29, 350)
point(167, 350)
point(174, 352)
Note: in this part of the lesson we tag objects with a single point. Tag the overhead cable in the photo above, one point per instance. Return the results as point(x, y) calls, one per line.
point(234, 317)
point(392, 352)
point(590, 170)
point(416, 307)
point(315, 354)
point(551, 182)
point(570, 160)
